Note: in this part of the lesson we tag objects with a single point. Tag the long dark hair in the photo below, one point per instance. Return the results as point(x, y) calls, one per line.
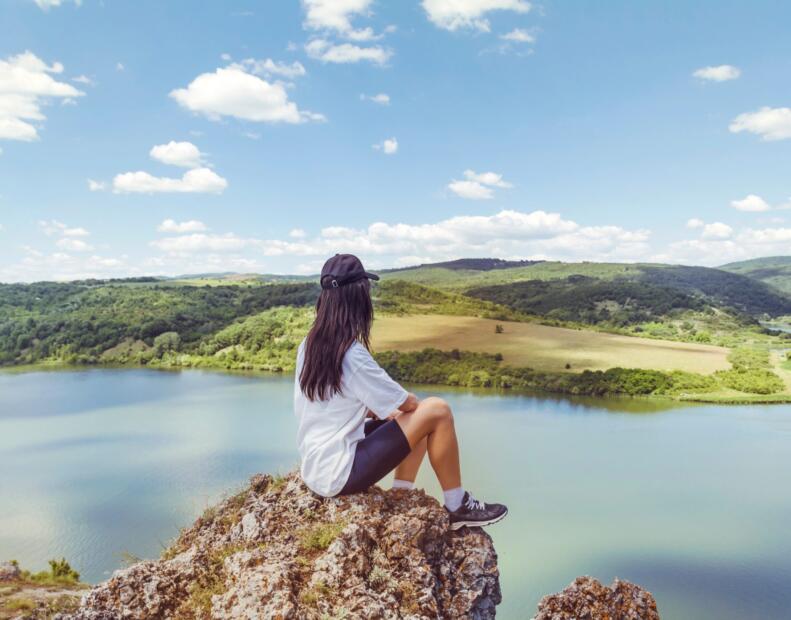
point(343, 315)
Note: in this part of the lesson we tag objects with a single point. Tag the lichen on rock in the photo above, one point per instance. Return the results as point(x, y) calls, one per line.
point(277, 550)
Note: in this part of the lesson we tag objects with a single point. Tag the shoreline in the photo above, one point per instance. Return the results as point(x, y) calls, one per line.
point(715, 398)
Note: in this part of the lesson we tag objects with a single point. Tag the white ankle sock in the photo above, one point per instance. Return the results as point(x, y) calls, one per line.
point(453, 498)
point(403, 484)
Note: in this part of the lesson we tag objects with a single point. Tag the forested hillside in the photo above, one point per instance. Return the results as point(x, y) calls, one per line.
point(773, 270)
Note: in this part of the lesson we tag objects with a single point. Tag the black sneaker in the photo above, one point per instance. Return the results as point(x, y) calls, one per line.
point(473, 513)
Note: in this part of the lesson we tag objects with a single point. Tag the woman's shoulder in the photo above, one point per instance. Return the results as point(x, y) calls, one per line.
point(356, 355)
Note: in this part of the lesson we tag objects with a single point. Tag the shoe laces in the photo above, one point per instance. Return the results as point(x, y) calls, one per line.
point(473, 504)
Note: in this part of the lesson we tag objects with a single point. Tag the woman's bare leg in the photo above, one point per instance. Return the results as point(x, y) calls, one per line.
point(408, 468)
point(432, 421)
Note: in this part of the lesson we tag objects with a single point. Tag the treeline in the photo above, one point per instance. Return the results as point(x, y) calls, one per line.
point(78, 323)
point(466, 369)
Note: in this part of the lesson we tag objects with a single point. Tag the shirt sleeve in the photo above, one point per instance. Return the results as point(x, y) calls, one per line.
point(374, 387)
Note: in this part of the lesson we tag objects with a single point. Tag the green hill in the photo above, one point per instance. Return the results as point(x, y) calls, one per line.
point(773, 270)
point(718, 288)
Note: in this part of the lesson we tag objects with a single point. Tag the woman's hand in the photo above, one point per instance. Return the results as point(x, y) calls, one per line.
point(410, 404)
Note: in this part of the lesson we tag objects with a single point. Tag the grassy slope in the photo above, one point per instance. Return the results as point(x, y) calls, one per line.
point(543, 347)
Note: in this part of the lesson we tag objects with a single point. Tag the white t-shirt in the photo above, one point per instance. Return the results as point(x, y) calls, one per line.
point(330, 429)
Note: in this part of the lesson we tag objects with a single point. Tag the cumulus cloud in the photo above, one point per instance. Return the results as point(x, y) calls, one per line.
point(388, 146)
point(26, 83)
point(344, 53)
point(478, 186)
point(695, 223)
point(751, 202)
point(720, 73)
point(769, 123)
point(536, 234)
point(381, 98)
point(297, 233)
point(232, 91)
point(518, 35)
point(96, 186)
point(198, 180)
point(336, 16)
point(182, 154)
point(716, 230)
point(464, 14)
point(172, 226)
point(721, 244)
point(62, 265)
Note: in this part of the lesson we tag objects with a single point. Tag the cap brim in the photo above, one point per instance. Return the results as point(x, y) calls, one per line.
point(371, 276)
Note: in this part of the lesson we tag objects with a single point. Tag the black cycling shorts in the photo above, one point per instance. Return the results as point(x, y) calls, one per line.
point(375, 456)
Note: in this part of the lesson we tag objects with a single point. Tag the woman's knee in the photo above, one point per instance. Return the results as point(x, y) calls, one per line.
point(438, 408)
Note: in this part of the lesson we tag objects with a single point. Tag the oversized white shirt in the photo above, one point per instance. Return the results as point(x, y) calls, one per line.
point(330, 429)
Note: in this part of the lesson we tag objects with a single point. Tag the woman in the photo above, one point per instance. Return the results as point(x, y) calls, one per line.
point(338, 385)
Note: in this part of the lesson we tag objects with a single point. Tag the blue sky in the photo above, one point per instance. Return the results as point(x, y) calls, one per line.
point(164, 138)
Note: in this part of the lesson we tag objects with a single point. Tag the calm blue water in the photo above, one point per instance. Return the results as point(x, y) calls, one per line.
point(691, 502)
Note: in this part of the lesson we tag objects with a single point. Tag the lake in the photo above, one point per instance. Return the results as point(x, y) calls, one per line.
point(691, 502)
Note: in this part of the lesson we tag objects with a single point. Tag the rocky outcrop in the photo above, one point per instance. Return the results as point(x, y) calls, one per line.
point(588, 598)
point(276, 550)
point(9, 571)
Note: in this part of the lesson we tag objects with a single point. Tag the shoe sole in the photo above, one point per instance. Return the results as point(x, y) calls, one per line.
point(460, 524)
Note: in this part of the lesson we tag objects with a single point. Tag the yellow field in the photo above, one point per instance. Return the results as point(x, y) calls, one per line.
point(542, 347)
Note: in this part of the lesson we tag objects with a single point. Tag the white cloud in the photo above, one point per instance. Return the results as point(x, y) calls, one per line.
point(200, 242)
point(55, 227)
point(742, 245)
point(172, 226)
point(381, 98)
point(323, 50)
point(73, 245)
point(45, 5)
point(769, 123)
point(232, 91)
point(457, 14)
point(716, 230)
point(183, 154)
point(119, 66)
point(297, 233)
point(695, 223)
point(751, 202)
point(198, 180)
point(83, 79)
point(478, 186)
point(271, 67)
point(472, 190)
point(96, 186)
point(518, 35)
point(487, 178)
point(337, 15)
point(720, 73)
point(388, 146)
point(26, 83)
point(507, 233)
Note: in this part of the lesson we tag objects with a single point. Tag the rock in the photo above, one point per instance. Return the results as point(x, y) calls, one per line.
point(588, 598)
point(9, 571)
point(276, 550)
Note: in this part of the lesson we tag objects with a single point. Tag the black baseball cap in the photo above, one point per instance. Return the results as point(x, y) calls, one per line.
point(343, 269)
